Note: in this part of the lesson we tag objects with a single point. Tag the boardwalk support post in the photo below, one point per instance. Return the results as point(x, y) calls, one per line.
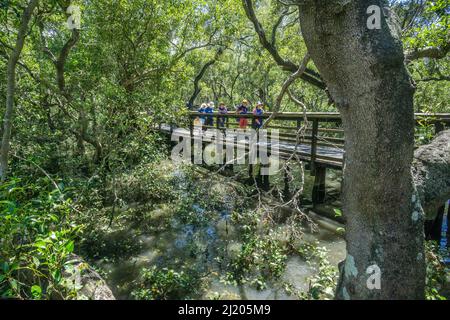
point(266, 181)
point(250, 171)
point(286, 192)
point(438, 126)
point(262, 181)
point(315, 133)
point(318, 193)
point(229, 167)
point(191, 130)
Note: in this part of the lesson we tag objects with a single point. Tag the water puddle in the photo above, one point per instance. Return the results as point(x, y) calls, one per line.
point(200, 245)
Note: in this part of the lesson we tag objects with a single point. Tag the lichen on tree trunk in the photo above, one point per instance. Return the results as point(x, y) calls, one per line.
point(367, 78)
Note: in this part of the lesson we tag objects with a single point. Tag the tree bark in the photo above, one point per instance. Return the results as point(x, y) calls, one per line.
point(11, 86)
point(367, 78)
point(61, 62)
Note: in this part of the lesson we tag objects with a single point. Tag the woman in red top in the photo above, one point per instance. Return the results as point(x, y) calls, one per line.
point(243, 109)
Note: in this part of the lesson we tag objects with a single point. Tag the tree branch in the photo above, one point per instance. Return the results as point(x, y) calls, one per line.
point(286, 65)
point(296, 75)
point(290, 81)
point(200, 75)
point(443, 78)
point(61, 61)
point(277, 25)
point(427, 52)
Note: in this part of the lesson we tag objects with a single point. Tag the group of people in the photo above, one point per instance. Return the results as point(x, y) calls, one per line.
point(207, 115)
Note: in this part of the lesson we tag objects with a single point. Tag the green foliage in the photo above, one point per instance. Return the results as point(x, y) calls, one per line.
point(262, 256)
point(323, 284)
point(427, 24)
point(436, 272)
point(167, 284)
point(37, 240)
point(425, 131)
point(431, 27)
point(260, 259)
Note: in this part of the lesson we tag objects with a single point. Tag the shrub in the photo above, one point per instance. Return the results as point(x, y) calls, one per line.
point(37, 240)
point(167, 284)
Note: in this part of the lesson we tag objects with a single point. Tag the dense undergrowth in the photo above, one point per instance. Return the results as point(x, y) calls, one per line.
point(45, 221)
point(38, 233)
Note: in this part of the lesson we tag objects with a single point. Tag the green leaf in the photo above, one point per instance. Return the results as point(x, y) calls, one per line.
point(337, 213)
point(14, 284)
point(70, 247)
point(36, 292)
point(57, 276)
point(13, 266)
point(36, 262)
point(40, 244)
point(10, 205)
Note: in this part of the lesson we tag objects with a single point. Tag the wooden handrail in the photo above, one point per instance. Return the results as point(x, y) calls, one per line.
point(316, 137)
point(323, 116)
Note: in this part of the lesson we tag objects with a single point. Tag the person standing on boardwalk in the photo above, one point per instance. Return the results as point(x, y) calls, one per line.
point(202, 111)
point(243, 109)
point(222, 110)
point(198, 123)
point(258, 120)
point(209, 110)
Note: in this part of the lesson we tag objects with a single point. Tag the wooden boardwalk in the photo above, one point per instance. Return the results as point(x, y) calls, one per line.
point(315, 138)
point(322, 142)
point(329, 156)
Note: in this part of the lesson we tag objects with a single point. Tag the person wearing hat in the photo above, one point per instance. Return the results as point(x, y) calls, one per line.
point(258, 112)
point(243, 109)
point(198, 122)
point(209, 110)
point(201, 110)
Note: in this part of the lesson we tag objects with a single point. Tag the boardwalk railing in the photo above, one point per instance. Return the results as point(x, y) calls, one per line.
point(320, 142)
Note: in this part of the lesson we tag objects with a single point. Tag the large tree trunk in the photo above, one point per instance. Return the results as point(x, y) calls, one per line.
point(366, 75)
point(11, 86)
